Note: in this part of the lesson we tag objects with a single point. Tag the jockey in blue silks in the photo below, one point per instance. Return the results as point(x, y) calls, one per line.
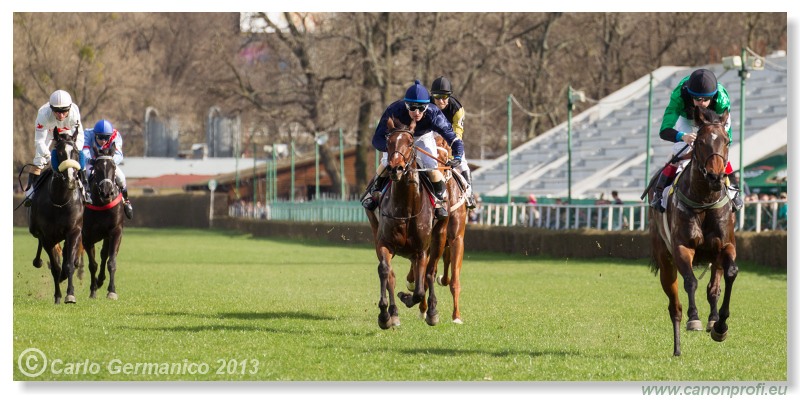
point(429, 121)
point(101, 137)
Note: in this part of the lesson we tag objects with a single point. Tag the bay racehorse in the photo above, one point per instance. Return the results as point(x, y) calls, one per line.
point(103, 220)
point(56, 213)
point(447, 238)
point(403, 228)
point(697, 229)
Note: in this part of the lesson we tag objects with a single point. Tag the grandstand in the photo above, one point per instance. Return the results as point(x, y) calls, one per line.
point(609, 143)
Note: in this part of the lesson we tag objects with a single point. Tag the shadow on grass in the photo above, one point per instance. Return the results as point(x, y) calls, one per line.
point(451, 352)
point(279, 315)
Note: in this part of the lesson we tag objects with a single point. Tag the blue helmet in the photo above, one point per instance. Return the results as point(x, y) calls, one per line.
point(103, 130)
point(417, 93)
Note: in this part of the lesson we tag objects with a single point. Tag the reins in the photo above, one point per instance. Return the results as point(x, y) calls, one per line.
point(723, 199)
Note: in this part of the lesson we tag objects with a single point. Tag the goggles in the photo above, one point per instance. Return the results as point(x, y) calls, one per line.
point(701, 99)
point(102, 136)
point(441, 96)
point(416, 107)
point(63, 109)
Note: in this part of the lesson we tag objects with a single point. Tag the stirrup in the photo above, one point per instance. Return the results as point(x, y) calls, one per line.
point(126, 206)
point(440, 212)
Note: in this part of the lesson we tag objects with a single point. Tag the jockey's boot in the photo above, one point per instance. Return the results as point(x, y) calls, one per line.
point(126, 204)
point(87, 195)
point(440, 193)
point(470, 195)
point(661, 183)
point(32, 178)
point(736, 200)
point(370, 201)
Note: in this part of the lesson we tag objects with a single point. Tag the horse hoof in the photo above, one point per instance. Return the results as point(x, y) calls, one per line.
point(112, 295)
point(710, 325)
point(394, 321)
point(717, 336)
point(432, 320)
point(694, 325)
point(37, 263)
point(423, 315)
point(70, 299)
point(410, 285)
point(92, 295)
point(458, 321)
point(383, 324)
point(439, 280)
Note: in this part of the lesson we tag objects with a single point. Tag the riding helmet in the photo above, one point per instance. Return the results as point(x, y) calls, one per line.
point(417, 94)
point(60, 100)
point(702, 83)
point(103, 129)
point(442, 85)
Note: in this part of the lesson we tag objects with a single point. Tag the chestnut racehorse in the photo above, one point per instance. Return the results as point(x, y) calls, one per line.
point(697, 228)
point(448, 235)
point(404, 227)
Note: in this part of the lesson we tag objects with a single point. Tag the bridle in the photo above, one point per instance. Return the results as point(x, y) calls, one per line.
point(412, 155)
point(702, 167)
point(111, 179)
point(62, 173)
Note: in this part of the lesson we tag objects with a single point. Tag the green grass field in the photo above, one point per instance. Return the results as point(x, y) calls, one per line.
point(215, 305)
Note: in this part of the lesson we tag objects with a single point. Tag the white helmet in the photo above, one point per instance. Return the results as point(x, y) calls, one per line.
point(60, 100)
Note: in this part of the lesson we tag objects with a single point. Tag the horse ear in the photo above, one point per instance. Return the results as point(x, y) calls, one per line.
point(390, 123)
point(724, 117)
point(412, 125)
point(55, 132)
point(75, 133)
point(95, 151)
point(699, 117)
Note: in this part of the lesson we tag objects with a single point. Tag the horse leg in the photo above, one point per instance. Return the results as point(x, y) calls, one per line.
point(432, 316)
point(444, 279)
point(112, 266)
point(388, 313)
point(68, 268)
point(712, 294)
point(92, 270)
point(720, 330)
point(103, 259)
point(55, 270)
point(683, 261)
point(37, 261)
point(418, 262)
point(456, 257)
point(669, 283)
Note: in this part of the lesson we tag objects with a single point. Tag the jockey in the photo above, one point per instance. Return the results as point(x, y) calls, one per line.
point(698, 89)
point(102, 136)
point(60, 112)
point(416, 105)
point(442, 96)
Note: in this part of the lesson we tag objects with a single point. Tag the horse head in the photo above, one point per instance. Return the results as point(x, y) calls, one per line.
point(710, 154)
point(68, 158)
point(102, 183)
point(400, 148)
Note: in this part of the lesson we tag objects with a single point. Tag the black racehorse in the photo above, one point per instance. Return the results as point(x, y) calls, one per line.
point(56, 213)
point(697, 228)
point(103, 220)
point(404, 228)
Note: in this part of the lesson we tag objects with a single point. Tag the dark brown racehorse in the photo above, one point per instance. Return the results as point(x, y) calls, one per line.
point(56, 214)
point(696, 229)
point(447, 239)
point(403, 228)
point(103, 220)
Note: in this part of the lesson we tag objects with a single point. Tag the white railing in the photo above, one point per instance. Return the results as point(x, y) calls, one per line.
point(755, 216)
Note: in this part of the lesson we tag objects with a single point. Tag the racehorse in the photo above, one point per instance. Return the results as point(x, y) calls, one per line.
point(697, 228)
point(103, 220)
point(56, 214)
point(404, 227)
point(447, 239)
